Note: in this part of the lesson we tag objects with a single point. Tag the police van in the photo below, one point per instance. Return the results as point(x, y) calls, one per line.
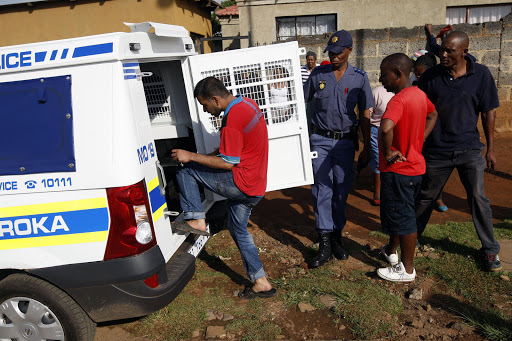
point(87, 188)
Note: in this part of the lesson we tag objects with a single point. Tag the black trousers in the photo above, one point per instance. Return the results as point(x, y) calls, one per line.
point(470, 165)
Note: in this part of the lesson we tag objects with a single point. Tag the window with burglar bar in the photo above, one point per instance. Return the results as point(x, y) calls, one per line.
point(271, 85)
point(308, 25)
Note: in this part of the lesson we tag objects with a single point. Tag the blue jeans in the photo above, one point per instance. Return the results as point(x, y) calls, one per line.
point(374, 144)
point(470, 165)
point(333, 170)
point(193, 175)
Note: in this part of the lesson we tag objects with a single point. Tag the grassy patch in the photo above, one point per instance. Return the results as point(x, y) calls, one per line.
point(378, 234)
point(254, 323)
point(461, 269)
point(364, 303)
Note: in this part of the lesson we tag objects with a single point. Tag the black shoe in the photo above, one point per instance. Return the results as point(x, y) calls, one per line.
point(492, 262)
point(337, 247)
point(324, 251)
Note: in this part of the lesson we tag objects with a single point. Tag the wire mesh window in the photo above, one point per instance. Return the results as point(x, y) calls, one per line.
point(159, 106)
point(294, 27)
point(271, 85)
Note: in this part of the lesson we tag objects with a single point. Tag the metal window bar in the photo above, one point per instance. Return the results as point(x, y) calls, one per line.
point(255, 82)
point(157, 99)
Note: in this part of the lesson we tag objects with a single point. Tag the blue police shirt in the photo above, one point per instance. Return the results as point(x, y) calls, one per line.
point(459, 103)
point(336, 101)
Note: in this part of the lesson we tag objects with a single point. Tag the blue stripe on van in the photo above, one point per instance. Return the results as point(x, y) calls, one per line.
point(92, 50)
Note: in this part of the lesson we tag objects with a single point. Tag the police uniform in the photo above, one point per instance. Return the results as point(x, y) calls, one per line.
point(333, 133)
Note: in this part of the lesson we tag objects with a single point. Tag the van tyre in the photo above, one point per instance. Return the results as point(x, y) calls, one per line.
point(30, 306)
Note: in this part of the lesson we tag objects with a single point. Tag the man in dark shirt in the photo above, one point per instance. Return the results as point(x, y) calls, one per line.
point(461, 90)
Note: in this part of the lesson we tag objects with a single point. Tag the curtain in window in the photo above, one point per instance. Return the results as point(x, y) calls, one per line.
point(285, 28)
point(305, 26)
point(325, 24)
point(487, 13)
point(455, 15)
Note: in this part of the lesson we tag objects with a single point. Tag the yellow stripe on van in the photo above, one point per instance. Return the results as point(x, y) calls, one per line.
point(53, 207)
point(153, 184)
point(77, 238)
point(159, 213)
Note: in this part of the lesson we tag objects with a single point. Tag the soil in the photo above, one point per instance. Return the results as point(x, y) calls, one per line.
point(283, 224)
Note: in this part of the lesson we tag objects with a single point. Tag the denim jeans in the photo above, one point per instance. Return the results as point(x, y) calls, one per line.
point(470, 165)
point(374, 153)
point(193, 175)
point(333, 170)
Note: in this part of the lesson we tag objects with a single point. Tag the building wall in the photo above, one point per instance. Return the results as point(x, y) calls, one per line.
point(490, 43)
point(258, 16)
point(230, 28)
point(63, 19)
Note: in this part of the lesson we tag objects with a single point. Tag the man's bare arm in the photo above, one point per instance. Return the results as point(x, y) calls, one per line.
point(216, 162)
point(488, 119)
point(429, 125)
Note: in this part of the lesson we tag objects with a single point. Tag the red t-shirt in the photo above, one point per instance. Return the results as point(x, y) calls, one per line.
point(244, 142)
point(408, 109)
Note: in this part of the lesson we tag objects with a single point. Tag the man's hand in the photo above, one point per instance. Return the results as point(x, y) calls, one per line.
point(490, 157)
point(394, 156)
point(428, 28)
point(182, 156)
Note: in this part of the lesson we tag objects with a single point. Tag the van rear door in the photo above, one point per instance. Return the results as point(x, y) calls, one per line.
point(252, 72)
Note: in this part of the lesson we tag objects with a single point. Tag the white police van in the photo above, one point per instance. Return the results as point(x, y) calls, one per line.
point(86, 180)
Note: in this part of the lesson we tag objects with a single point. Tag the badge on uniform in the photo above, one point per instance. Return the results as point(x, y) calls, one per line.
point(322, 85)
point(334, 39)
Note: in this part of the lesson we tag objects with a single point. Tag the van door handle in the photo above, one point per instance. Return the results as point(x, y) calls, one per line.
point(161, 177)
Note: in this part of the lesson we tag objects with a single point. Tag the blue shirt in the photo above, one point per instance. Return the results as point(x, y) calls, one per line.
point(336, 101)
point(459, 103)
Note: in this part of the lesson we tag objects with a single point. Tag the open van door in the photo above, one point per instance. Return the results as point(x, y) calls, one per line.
point(252, 72)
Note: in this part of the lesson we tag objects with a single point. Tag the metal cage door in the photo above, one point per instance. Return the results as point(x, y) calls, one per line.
point(271, 76)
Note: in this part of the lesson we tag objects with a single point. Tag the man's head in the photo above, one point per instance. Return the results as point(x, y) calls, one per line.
point(311, 59)
point(211, 92)
point(454, 49)
point(424, 63)
point(339, 48)
point(394, 72)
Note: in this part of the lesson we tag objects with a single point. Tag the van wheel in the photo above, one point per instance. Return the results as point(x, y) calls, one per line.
point(32, 309)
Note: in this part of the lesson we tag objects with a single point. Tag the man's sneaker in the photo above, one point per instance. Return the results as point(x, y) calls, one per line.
point(396, 273)
point(392, 259)
point(492, 262)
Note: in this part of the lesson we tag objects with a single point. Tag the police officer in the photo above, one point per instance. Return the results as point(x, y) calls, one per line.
point(337, 87)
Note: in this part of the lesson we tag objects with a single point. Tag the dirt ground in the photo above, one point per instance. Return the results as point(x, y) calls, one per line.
point(286, 218)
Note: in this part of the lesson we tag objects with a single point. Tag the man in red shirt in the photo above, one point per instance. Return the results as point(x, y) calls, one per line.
point(237, 172)
point(407, 121)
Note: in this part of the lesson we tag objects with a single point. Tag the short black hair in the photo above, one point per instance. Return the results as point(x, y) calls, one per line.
point(209, 87)
point(311, 53)
point(427, 61)
point(399, 62)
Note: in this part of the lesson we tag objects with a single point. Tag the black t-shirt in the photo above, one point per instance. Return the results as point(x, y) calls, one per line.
point(459, 103)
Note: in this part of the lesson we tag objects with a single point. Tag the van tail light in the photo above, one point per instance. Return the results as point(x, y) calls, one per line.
point(131, 226)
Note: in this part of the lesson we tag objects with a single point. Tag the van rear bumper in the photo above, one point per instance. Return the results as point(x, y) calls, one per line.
point(115, 289)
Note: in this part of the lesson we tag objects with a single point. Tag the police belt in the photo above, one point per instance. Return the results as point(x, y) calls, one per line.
point(335, 135)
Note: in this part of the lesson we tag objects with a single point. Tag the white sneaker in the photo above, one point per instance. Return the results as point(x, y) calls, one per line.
point(396, 273)
point(392, 259)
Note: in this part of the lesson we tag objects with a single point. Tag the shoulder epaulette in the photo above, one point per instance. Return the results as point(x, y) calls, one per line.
point(361, 71)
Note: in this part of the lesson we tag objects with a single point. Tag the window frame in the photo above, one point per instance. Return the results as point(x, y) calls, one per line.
point(468, 7)
point(278, 38)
